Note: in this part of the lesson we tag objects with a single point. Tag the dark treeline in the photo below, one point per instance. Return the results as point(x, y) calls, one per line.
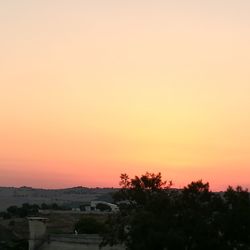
point(155, 216)
point(30, 210)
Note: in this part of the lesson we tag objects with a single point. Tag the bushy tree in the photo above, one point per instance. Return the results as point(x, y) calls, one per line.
point(154, 216)
point(139, 199)
point(90, 225)
point(25, 210)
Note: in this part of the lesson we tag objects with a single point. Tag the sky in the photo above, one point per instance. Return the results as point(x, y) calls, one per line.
point(93, 89)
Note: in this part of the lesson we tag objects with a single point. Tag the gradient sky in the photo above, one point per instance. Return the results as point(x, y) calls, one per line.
point(92, 89)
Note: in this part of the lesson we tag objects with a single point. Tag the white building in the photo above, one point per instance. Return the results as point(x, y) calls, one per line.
point(114, 208)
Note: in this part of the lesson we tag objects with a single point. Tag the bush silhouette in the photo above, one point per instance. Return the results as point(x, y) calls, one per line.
point(154, 216)
point(89, 225)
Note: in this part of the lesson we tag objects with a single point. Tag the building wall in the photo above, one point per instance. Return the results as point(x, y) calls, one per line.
point(37, 232)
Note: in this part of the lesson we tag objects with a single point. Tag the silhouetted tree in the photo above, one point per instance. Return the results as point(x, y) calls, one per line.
point(90, 225)
point(154, 216)
point(25, 210)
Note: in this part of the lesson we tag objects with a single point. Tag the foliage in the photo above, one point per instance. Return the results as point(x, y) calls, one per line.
point(25, 210)
point(5, 215)
point(14, 245)
point(29, 210)
point(103, 207)
point(154, 216)
point(90, 225)
point(53, 206)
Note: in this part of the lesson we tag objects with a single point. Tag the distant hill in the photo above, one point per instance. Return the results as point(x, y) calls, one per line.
point(76, 195)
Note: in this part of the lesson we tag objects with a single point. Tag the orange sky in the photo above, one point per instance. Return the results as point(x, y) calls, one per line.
point(92, 89)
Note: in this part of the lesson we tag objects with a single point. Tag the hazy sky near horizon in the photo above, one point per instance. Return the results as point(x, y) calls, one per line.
point(92, 89)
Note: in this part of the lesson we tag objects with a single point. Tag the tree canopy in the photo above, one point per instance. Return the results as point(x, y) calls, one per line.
point(155, 216)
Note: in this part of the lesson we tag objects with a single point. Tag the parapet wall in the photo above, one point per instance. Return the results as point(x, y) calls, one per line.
point(76, 242)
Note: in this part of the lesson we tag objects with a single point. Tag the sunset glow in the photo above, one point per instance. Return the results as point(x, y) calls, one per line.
point(93, 89)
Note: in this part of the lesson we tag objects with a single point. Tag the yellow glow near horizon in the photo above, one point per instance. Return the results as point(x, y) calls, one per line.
point(89, 90)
